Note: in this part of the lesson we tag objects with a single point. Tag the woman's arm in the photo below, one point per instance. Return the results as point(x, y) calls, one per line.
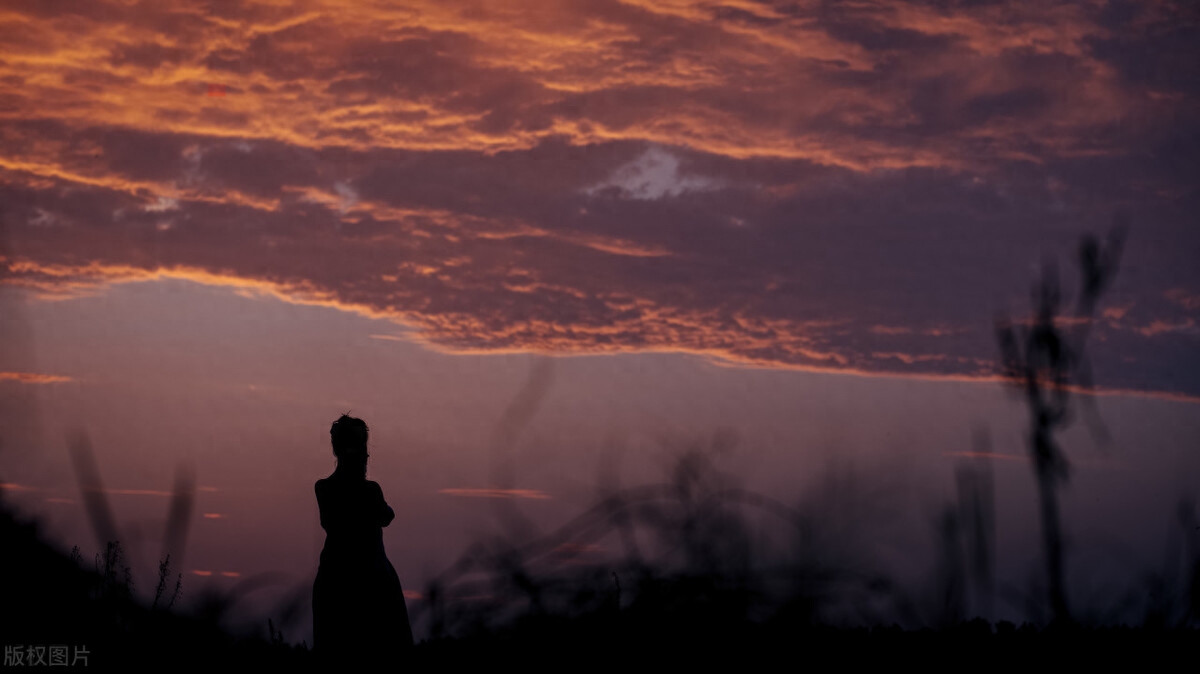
point(321, 505)
point(386, 514)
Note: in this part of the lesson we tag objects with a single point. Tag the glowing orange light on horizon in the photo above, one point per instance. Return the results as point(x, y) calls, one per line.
point(495, 493)
point(33, 377)
point(13, 486)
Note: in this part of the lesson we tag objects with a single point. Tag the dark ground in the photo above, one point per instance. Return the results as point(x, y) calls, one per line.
point(52, 598)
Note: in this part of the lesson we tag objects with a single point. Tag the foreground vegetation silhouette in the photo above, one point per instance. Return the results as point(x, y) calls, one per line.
point(52, 598)
point(1045, 362)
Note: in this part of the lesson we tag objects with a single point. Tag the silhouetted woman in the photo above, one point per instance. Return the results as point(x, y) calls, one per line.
point(359, 614)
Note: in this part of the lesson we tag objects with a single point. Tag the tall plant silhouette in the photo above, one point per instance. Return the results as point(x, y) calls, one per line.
point(99, 510)
point(1045, 360)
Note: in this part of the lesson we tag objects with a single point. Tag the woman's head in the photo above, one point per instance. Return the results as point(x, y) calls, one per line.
point(349, 438)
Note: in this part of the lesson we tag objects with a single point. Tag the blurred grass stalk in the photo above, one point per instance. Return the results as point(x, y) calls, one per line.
point(1045, 363)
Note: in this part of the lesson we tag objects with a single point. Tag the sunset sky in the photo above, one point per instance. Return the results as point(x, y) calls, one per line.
point(225, 223)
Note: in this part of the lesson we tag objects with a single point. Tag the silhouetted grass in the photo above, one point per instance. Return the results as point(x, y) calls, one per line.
point(50, 598)
point(692, 587)
point(1045, 361)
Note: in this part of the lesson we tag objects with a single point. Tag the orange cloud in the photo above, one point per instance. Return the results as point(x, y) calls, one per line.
point(467, 174)
point(13, 486)
point(375, 76)
point(33, 378)
point(1160, 327)
point(1116, 313)
point(495, 493)
point(987, 455)
point(909, 358)
point(138, 492)
point(1180, 296)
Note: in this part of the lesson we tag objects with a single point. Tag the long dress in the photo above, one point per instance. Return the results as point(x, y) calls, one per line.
point(358, 606)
